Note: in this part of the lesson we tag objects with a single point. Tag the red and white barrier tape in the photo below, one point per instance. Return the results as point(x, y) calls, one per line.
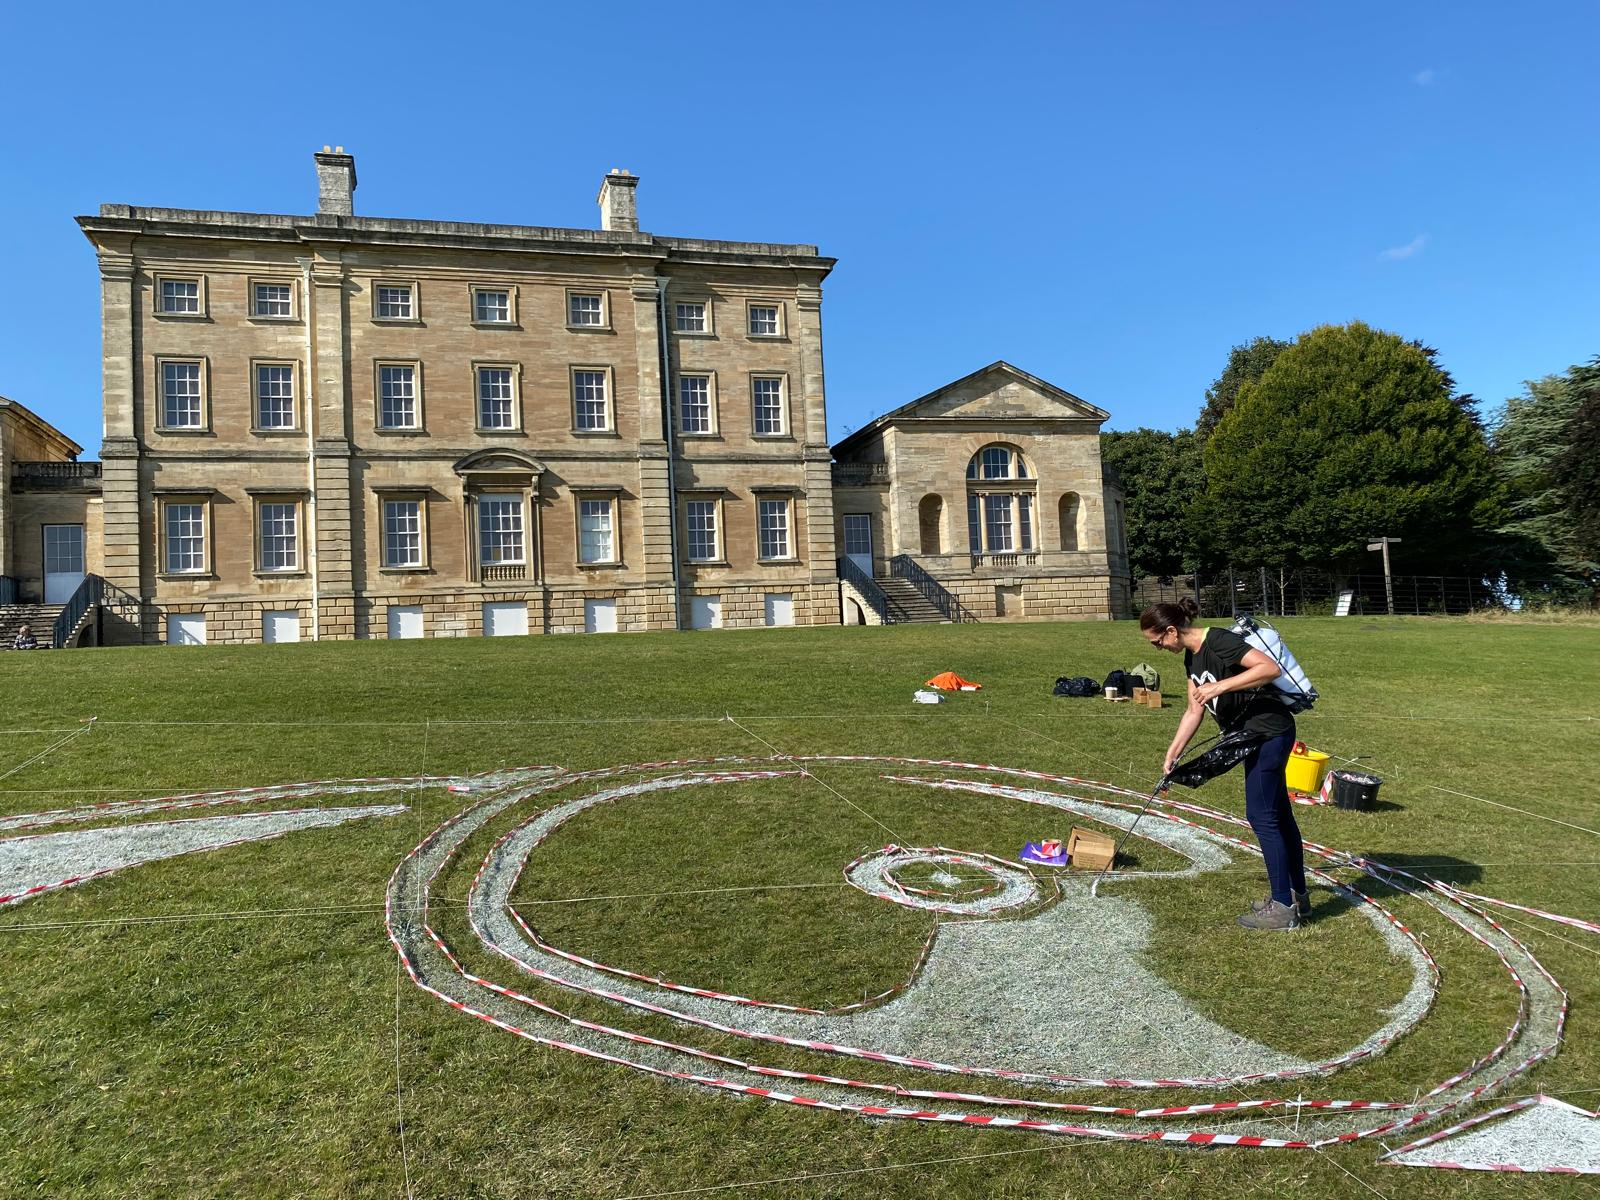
point(1187, 1137)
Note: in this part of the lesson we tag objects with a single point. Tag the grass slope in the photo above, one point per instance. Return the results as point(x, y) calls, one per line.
point(232, 1023)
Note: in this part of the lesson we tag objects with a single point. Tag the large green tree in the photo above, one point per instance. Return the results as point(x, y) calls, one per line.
point(1577, 468)
point(1161, 479)
point(1351, 433)
point(1246, 364)
point(1531, 441)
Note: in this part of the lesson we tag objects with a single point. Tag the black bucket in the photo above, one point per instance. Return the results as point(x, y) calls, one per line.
point(1351, 789)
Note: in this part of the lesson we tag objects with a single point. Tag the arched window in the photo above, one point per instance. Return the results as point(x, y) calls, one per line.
point(1068, 512)
point(1000, 502)
point(998, 462)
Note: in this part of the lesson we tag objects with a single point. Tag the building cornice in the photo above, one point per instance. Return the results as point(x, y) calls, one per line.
point(120, 221)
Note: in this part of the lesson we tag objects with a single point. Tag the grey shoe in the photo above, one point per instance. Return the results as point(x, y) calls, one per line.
point(1270, 914)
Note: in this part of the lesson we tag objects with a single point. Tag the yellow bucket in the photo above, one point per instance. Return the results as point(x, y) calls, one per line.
point(1305, 770)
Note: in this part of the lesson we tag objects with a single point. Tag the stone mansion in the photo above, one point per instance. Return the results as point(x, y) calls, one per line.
point(340, 426)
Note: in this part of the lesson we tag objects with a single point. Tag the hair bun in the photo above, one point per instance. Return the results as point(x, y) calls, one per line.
point(1190, 608)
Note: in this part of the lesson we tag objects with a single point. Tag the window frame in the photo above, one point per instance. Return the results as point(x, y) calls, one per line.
point(412, 286)
point(784, 426)
point(202, 296)
point(781, 320)
point(1016, 465)
point(713, 424)
point(719, 552)
point(165, 502)
point(203, 426)
point(603, 325)
point(295, 424)
point(790, 554)
point(980, 502)
point(709, 328)
point(523, 528)
point(582, 496)
point(295, 501)
point(609, 429)
point(256, 281)
point(514, 370)
point(421, 427)
point(386, 497)
point(474, 290)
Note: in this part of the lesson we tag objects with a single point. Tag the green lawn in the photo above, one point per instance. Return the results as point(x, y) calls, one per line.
point(234, 1023)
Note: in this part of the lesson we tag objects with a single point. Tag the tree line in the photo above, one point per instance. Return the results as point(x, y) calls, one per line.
point(1306, 450)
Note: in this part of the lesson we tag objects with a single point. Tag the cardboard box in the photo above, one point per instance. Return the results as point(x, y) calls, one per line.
point(1152, 699)
point(1140, 695)
point(1090, 851)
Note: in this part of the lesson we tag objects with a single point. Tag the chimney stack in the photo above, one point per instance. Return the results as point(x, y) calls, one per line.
point(336, 182)
point(619, 205)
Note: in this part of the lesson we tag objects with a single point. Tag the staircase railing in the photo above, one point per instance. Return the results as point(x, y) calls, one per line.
point(81, 601)
point(903, 566)
point(888, 611)
point(92, 592)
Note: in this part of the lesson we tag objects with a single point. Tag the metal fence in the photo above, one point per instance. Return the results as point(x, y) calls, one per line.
point(1308, 593)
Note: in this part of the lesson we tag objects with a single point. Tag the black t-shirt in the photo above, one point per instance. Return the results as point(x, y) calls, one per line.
point(1221, 656)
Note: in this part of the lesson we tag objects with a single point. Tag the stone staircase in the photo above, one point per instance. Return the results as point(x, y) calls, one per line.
point(37, 617)
point(909, 605)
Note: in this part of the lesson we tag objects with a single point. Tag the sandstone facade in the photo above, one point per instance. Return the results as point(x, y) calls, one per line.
point(337, 416)
point(993, 485)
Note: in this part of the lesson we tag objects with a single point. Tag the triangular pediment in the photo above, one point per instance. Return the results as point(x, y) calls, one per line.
point(998, 392)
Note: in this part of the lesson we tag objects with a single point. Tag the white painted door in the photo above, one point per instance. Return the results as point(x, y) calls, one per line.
point(508, 619)
point(705, 612)
point(599, 616)
point(186, 629)
point(280, 625)
point(858, 540)
point(780, 608)
point(63, 562)
point(405, 621)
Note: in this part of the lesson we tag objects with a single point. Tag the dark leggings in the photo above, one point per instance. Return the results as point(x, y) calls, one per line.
point(1266, 804)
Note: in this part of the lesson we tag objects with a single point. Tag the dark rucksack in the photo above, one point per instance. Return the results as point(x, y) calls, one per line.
point(1077, 685)
point(1123, 682)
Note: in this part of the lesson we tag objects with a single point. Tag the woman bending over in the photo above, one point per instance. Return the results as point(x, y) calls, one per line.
point(1232, 679)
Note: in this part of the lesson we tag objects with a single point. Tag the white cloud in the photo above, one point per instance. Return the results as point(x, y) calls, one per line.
point(1425, 77)
point(1410, 250)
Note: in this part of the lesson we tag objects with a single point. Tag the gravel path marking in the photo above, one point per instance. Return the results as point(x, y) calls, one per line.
point(31, 866)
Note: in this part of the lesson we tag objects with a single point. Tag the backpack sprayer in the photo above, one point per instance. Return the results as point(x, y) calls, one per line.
point(1292, 686)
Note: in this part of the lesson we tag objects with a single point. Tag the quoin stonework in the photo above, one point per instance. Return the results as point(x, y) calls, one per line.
point(337, 426)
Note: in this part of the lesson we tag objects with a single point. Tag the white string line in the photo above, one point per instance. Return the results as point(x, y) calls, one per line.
point(1513, 808)
point(331, 910)
point(53, 746)
point(758, 887)
point(922, 1162)
point(400, 1111)
point(806, 771)
point(642, 719)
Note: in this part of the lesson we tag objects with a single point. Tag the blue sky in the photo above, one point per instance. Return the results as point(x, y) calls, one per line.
point(1108, 196)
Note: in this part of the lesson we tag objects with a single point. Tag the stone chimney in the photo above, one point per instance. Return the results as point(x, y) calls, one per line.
point(619, 206)
point(336, 182)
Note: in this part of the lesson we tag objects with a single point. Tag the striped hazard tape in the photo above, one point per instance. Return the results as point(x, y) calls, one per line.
point(1420, 1111)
